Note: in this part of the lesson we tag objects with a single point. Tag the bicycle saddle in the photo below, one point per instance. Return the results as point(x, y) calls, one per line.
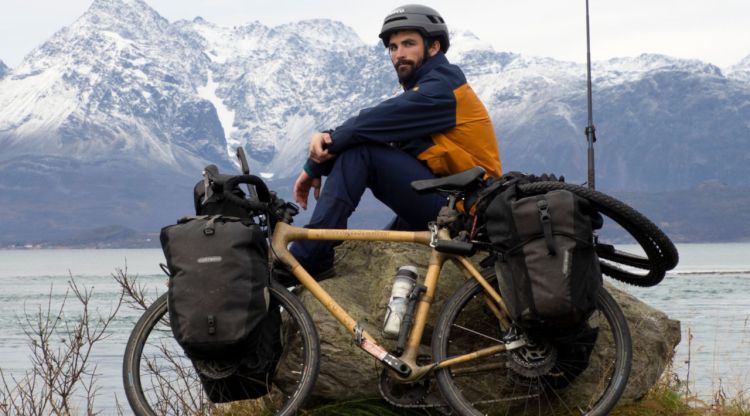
point(456, 182)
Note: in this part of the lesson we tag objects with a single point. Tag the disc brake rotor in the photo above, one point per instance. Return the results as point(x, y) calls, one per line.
point(216, 369)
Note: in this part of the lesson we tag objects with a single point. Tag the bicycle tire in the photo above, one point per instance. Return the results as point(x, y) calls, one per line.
point(661, 254)
point(508, 384)
point(160, 380)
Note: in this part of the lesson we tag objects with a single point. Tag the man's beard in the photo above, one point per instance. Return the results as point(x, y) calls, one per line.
point(407, 73)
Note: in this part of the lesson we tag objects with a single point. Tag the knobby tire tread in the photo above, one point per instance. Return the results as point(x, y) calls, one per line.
point(152, 315)
point(660, 251)
point(608, 306)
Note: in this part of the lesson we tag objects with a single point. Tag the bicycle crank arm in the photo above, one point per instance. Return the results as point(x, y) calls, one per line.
point(393, 362)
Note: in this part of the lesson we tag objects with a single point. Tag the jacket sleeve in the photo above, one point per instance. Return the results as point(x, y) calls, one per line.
point(316, 170)
point(416, 113)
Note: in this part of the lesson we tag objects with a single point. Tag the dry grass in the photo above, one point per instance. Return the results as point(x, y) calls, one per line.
point(365, 407)
point(671, 396)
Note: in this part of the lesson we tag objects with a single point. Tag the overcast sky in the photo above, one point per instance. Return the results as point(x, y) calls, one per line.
point(715, 31)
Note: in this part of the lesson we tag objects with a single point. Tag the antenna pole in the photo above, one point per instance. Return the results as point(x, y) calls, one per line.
point(590, 130)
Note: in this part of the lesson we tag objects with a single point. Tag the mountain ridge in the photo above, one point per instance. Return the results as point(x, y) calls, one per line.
point(154, 101)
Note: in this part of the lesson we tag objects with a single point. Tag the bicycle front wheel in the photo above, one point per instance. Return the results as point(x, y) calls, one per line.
point(584, 372)
point(160, 380)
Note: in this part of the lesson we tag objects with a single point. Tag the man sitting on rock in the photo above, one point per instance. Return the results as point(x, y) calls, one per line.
point(436, 127)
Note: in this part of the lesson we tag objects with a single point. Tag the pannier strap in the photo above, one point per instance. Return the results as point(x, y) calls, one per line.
point(210, 228)
point(546, 220)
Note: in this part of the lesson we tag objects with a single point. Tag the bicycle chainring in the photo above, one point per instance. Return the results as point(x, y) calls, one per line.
point(402, 394)
point(420, 393)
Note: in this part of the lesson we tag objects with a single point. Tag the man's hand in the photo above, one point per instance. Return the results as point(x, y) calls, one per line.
point(318, 144)
point(302, 188)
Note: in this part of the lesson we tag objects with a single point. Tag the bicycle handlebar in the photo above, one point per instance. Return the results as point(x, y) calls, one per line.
point(263, 195)
point(265, 200)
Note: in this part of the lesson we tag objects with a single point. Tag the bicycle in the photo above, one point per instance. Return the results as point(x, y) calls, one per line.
point(482, 362)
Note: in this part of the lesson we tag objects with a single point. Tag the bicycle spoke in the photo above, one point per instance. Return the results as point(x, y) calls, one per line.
point(161, 380)
point(477, 333)
point(572, 375)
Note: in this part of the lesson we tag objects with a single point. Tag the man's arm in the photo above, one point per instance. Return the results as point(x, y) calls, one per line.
point(429, 109)
point(319, 161)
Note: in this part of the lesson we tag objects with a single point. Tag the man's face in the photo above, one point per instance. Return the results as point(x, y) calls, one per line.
point(407, 53)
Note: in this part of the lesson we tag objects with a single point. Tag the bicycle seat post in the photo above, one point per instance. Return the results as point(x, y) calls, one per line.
point(452, 197)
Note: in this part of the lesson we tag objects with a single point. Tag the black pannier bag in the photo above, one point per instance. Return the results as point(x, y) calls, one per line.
point(218, 289)
point(218, 298)
point(547, 268)
point(249, 376)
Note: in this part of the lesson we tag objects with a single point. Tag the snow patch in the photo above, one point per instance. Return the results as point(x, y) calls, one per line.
point(36, 104)
point(226, 116)
point(119, 42)
point(291, 153)
point(464, 41)
point(324, 33)
point(225, 44)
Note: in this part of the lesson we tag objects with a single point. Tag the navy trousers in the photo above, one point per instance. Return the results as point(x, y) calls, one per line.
point(388, 173)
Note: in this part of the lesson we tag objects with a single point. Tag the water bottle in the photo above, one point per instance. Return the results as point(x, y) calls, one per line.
point(403, 284)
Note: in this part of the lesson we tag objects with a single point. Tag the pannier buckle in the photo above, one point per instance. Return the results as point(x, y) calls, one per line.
point(209, 228)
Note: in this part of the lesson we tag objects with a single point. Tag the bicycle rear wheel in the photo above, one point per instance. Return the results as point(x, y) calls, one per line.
point(160, 380)
point(584, 373)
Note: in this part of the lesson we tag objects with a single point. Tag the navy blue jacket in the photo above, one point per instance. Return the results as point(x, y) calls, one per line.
point(438, 119)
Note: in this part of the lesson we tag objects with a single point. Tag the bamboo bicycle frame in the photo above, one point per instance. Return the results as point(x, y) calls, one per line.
point(284, 233)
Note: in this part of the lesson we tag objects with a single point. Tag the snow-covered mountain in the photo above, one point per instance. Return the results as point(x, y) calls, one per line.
point(662, 123)
point(3, 69)
point(114, 116)
point(120, 81)
point(741, 70)
point(275, 86)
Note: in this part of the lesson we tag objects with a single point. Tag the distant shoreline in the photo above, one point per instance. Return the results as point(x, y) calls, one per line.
point(710, 272)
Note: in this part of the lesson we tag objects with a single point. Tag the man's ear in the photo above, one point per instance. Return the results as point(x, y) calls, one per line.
point(434, 48)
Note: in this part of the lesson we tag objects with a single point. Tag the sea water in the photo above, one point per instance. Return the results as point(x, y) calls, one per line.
point(709, 292)
point(34, 282)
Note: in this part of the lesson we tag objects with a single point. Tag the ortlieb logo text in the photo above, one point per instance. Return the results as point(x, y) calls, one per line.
point(211, 259)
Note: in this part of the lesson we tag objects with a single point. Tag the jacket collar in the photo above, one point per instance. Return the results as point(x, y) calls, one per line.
point(432, 63)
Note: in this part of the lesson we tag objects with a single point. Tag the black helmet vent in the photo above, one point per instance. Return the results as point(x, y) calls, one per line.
point(395, 19)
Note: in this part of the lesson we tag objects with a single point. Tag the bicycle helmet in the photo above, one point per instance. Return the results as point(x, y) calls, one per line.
point(423, 19)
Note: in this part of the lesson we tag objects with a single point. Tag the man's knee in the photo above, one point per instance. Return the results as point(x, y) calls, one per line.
point(362, 153)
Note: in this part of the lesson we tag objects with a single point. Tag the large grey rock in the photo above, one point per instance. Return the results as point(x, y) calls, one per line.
point(364, 276)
